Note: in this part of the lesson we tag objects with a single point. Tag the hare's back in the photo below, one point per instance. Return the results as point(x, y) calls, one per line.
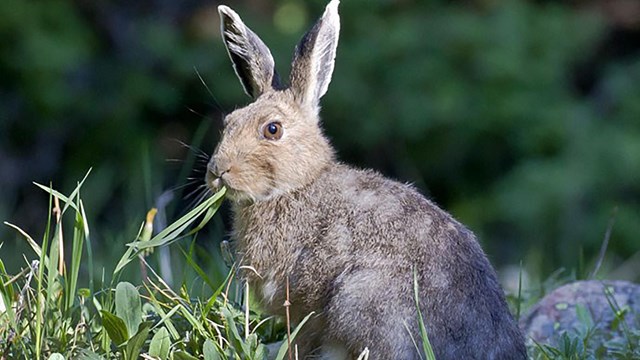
point(384, 210)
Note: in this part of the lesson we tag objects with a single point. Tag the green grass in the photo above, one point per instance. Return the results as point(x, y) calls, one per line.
point(48, 310)
point(44, 314)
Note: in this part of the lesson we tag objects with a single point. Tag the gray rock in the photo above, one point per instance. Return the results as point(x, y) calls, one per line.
point(583, 305)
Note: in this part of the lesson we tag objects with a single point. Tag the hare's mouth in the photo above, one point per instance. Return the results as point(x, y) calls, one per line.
point(215, 183)
point(239, 190)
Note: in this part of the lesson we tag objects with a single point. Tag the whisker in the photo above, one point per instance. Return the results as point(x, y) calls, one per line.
point(198, 200)
point(194, 180)
point(198, 152)
point(199, 114)
point(194, 191)
point(216, 102)
point(188, 183)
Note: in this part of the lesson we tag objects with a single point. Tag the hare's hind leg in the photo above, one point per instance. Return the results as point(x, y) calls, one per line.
point(372, 308)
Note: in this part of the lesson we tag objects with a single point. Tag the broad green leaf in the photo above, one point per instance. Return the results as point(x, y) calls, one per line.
point(210, 351)
point(232, 332)
point(183, 355)
point(115, 326)
point(261, 352)
point(135, 344)
point(128, 306)
point(160, 344)
point(86, 354)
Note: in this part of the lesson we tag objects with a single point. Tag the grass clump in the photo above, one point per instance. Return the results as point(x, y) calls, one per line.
point(45, 313)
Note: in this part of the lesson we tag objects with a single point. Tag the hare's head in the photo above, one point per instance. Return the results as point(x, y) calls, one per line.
point(275, 144)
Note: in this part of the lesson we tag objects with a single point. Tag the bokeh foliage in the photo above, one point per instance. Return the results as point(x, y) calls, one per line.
point(475, 102)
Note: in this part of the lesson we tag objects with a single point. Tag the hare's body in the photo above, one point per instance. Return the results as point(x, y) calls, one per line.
point(349, 241)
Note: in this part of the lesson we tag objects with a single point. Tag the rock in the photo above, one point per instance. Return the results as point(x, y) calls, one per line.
point(583, 305)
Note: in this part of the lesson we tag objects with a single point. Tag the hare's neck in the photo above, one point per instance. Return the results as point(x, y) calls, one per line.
point(264, 230)
point(312, 170)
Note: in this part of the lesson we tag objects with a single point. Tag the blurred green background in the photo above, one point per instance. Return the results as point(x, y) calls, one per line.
point(521, 118)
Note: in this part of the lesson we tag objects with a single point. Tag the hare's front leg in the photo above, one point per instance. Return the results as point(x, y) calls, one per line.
point(372, 309)
point(334, 351)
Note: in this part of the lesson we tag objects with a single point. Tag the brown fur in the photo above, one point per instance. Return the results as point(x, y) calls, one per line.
point(349, 240)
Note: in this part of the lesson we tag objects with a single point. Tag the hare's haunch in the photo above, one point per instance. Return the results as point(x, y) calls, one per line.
point(349, 241)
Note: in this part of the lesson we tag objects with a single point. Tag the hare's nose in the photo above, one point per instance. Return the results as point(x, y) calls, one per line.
point(216, 168)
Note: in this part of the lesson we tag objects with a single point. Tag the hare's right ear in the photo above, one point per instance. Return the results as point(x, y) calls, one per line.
point(314, 58)
point(251, 58)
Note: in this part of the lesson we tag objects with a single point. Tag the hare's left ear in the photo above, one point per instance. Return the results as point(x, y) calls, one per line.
point(314, 58)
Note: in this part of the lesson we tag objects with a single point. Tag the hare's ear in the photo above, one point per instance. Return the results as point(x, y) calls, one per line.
point(314, 58)
point(251, 58)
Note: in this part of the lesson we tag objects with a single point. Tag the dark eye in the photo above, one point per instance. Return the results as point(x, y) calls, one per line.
point(272, 131)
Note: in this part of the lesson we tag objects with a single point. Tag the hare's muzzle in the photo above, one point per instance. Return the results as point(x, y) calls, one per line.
point(212, 178)
point(214, 183)
point(214, 175)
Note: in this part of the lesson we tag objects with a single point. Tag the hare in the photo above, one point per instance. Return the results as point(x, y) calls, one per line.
point(349, 243)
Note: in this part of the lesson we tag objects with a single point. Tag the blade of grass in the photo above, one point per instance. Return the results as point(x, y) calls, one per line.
point(127, 257)
point(605, 243)
point(189, 258)
point(218, 291)
point(165, 317)
point(285, 345)
point(40, 307)
point(76, 255)
point(413, 339)
point(61, 196)
point(519, 300)
point(7, 294)
point(426, 345)
point(87, 239)
point(175, 229)
point(36, 248)
point(173, 232)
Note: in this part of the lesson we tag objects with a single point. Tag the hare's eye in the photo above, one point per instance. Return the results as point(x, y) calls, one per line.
point(272, 131)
